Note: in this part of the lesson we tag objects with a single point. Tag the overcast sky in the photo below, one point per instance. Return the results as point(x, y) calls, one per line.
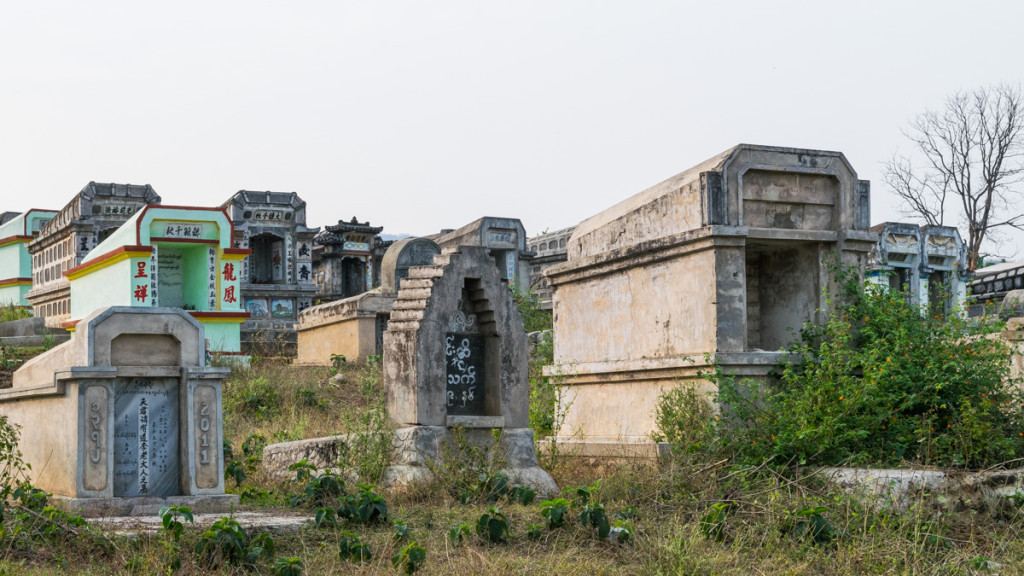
point(419, 116)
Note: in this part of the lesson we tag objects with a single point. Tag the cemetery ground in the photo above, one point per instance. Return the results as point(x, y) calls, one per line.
point(693, 513)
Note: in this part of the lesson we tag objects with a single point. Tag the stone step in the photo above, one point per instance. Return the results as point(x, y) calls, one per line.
point(425, 272)
point(396, 326)
point(417, 283)
point(409, 304)
point(409, 293)
point(402, 316)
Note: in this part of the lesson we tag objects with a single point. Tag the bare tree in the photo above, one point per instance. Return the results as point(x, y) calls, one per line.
point(973, 160)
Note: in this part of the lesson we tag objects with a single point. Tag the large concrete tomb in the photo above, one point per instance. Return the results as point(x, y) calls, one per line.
point(141, 414)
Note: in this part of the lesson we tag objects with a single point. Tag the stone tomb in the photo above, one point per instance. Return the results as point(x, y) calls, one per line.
point(721, 262)
point(143, 415)
point(455, 354)
point(354, 327)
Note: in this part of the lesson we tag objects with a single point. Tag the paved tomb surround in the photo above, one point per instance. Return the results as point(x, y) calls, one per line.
point(455, 354)
point(148, 414)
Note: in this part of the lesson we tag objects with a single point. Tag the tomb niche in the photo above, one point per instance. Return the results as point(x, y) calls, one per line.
point(142, 413)
point(455, 355)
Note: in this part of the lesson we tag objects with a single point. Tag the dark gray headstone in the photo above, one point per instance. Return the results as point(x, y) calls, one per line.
point(146, 457)
point(464, 359)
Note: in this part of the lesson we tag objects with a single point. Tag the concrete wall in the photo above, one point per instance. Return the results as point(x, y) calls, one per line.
point(51, 449)
point(110, 286)
point(610, 319)
point(347, 327)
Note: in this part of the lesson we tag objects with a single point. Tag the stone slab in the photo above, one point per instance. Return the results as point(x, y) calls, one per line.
point(251, 522)
point(320, 452)
point(144, 506)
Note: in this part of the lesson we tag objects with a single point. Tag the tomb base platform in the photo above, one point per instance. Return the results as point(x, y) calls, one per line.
point(615, 403)
point(136, 506)
point(604, 449)
point(420, 450)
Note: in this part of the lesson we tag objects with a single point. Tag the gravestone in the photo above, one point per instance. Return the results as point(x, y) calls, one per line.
point(142, 412)
point(455, 355)
point(401, 256)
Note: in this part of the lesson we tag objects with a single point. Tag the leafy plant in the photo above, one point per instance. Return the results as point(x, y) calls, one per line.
point(226, 543)
point(169, 520)
point(337, 361)
point(458, 533)
point(307, 397)
point(287, 567)
point(808, 523)
point(523, 495)
point(409, 559)
point(684, 418)
point(401, 531)
point(527, 301)
point(252, 448)
point(554, 512)
point(321, 490)
point(303, 470)
point(325, 518)
point(534, 531)
point(493, 526)
point(881, 382)
point(594, 516)
point(364, 507)
point(350, 547)
point(235, 471)
point(621, 531)
point(172, 529)
point(712, 524)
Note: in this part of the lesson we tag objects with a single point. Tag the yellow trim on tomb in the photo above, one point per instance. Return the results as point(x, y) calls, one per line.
point(119, 257)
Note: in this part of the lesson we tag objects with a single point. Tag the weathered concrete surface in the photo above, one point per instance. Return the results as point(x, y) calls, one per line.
point(726, 258)
point(902, 487)
point(146, 508)
point(505, 239)
point(456, 335)
point(251, 522)
point(351, 327)
point(90, 385)
point(26, 327)
point(420, 450)
point(322, 453)
point(414, 345)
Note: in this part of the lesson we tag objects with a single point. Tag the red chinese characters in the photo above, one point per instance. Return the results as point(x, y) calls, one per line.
point(141, 293)
point(229, 272)
point(141, 273)
point(229, 295)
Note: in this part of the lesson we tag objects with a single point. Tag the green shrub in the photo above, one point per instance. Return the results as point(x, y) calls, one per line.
point(252, 395)
point(493, 526)
point(226, 543)
point(458, 533)
point(685, 419)
point(534, 318)
point(10, 313)
point(364, 507)
point(287, 567)
point(878, 384)
point(350, 547)
point(409, 559)
point(554, 512)
point(321, 490)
